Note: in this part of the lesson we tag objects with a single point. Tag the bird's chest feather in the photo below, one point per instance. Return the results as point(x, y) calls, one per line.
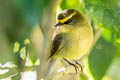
point(78, 38)
point(76, 43)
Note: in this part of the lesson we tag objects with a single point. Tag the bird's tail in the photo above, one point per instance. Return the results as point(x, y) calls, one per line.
point(48, 68)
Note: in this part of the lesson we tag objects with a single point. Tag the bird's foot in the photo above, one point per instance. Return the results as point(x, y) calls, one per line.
point(76, 65)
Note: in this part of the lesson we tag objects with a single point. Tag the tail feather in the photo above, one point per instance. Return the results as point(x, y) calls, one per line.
point(48, 68)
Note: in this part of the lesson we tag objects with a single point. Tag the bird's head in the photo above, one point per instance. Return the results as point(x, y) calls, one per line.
point(69, 17)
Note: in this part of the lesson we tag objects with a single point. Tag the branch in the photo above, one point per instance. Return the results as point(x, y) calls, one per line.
point(13, 71)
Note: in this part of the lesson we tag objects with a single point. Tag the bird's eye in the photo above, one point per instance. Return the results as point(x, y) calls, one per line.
point(68, 21)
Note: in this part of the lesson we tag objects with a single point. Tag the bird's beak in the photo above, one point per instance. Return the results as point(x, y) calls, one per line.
point(58, 24)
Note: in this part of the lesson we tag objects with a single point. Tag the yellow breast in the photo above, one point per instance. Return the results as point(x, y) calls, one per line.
point(75, 43)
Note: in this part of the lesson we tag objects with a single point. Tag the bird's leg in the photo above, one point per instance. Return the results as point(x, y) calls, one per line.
point(80, 65)
point(74, 65)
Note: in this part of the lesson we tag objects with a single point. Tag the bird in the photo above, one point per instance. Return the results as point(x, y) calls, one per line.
point(74, 36)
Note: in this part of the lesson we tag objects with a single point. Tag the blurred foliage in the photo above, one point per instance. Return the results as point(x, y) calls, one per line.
point(101, 57)
point(26, 27)
point(105, 13)
point(78, 4)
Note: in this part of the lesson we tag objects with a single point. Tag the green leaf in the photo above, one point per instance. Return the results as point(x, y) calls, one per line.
point(16, 47)
point(105, 12)
point(77, 4)
point(101, 57)
point(107, 35)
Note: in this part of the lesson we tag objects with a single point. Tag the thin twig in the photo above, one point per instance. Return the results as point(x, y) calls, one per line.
point(13, 71)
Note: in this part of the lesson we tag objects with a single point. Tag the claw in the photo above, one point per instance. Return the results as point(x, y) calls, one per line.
point(75, 66)
point(80, 65)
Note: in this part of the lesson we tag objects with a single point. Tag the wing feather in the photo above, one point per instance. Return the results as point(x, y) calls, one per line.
point(56, 44)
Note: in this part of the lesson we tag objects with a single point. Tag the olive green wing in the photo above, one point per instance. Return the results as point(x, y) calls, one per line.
point(56, 44)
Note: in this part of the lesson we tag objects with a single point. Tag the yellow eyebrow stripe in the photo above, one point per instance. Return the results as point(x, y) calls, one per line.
point(65, 19)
